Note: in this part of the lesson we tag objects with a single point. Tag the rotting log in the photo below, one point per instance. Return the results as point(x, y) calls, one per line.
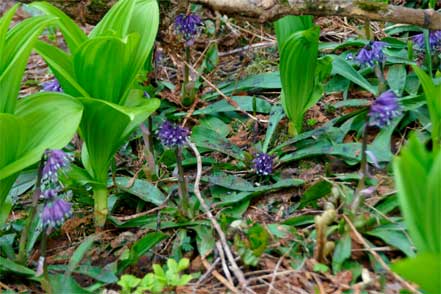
point(270, 10)
point(90, 11)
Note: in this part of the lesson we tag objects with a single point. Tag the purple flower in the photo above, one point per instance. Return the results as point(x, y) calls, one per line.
point(188, 26)
point(52, 86)
point(371, 53)
point(56, 159)
point(56, 212)
point(384, 109)
point(263, 163)
point(172, 135)
point(434, 40)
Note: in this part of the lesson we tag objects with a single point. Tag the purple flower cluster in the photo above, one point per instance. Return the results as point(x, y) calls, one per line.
point(434, 41)
point(52, 86)
point(56, 159)
point(188, 26)
point(172, 135)
point(384, 109)
point(371, 53)
point(263, 163)
point(55, 210)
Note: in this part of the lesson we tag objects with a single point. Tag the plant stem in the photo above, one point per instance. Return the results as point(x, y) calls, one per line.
point(21, 258)
point(363, 171)
point(183, 191)
point(378, 69)
point(100, 194)
point(45, 282)
point(187, 87)
point(150, 168)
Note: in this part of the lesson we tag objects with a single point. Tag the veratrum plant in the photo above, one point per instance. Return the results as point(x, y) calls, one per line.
point(102, 67)
point(35, 123)
point(433, 98)
point(298, 62)
point(417, 176)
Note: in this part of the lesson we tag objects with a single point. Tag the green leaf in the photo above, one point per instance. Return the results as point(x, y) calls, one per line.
point(79, 253)
point(61, 65)
point(342, 252)
point(204, 239)
point(141, 189)
point(42, 121)
point(394, 237)
point(417, 173)
point(62, 284)
point(73, 35)
point(315, 192)
point(210, 139)
point(298, 60)
point(424, 269)
point(9, 266)
point(105, 127)
point(290, 24)
point(128, 282)
point(92, 67)
point(433, 98)
point(396, 78)
point(140, 248)
point(343, 68)
point(47, 121)
point(183, 264)
point(276, 116)
point(244, 102)
point(15, 48)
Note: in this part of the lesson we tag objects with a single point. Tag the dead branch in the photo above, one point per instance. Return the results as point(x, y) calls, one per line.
point(270, 10)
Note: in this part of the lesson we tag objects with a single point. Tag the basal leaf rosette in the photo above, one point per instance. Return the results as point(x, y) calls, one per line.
point(104, 128)
point(41, 121)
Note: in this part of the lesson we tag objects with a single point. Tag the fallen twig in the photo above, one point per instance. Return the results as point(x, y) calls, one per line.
point(234, 267)
point(378, 257)
point(270, 10)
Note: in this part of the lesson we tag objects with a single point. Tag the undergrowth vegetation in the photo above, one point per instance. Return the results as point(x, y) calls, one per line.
point(158, 158)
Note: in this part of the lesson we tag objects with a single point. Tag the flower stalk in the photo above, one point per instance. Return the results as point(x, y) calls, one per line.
point(183, 191)
point(21, 257)
point(100, 195)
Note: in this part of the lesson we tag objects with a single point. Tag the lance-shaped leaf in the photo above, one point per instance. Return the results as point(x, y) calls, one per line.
point(417, 174)
point(15, 47)
point(72, 33)
point(104, 128)
point(42, 121)
point(298, 60)
point(103, 66)
point(433, 98)
point(290, 24)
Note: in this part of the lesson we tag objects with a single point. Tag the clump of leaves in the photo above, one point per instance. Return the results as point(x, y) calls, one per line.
point(161, 279)
point(251, 246)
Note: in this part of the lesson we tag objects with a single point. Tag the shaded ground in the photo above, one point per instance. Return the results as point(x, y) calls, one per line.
point(244, 49)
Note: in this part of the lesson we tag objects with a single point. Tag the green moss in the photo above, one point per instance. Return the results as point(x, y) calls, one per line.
point(371, 6)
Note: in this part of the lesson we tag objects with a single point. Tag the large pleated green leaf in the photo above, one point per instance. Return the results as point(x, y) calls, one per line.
point(417, 175)
point(290, 24)
point(62, 66)
point(105, 127)
point(433, 98)
point(15, 47)
point(47, 120)
point(105, 65)
point(298, 60)
point(41, 121)
point(102, 66)
point(13, 133)
point(73, 34)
